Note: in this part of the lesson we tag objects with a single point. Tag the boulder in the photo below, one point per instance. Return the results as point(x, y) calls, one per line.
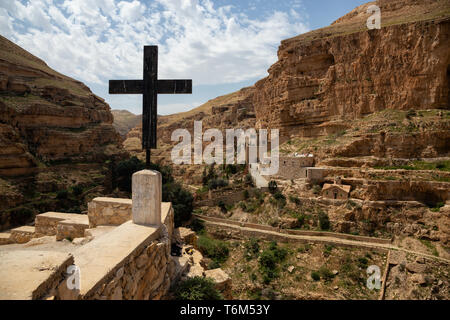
point(416, 267)
point(222, 281)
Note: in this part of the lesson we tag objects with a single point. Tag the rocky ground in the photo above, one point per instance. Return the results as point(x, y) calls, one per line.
point(342, 273)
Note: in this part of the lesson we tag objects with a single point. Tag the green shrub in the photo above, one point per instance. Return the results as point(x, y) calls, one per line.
point(438, 207)
point(62, 194)
point(222, 206)
point(208, 175)
point(316, 189)
point(363, 262)
point(279, 199)
point(295, 200)
point(217, 184)
point(325, 273)
point(269, 260)
point(197, 288)
point(197, 225)
point(214, 265)
point(324, 221)
point(300, 218)
point(280, 253)
point(249, 180)
point(252, 249)
point(246, 194)
point(77, 190)
point(182, 202)
point(327, 250)
point(315, 276)
point(124, 170)
point(214, 249)
point(231, 169)
point(19, 216)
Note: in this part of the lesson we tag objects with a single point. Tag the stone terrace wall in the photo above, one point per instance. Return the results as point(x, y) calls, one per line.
point(293, 167)
point(144, 276)
point(109, 211)
point(131, 262)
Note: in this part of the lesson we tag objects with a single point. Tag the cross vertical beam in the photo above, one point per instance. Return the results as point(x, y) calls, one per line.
point(150, 98)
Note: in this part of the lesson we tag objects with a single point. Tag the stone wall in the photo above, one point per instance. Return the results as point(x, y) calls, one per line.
point(130, 262)
point(144, 276)
point(294, 167)
point(109, 211)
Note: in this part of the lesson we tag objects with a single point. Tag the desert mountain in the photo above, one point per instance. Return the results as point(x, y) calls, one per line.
point(124, 121)
point(46, 116)
point(50, 127)
point(326, 79)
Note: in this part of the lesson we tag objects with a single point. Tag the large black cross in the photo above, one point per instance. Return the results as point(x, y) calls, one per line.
point(150, 87)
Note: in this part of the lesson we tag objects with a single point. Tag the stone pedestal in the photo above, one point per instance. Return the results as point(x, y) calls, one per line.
point(147, 192)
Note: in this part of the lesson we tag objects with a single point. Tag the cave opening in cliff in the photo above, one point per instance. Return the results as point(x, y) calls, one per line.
point(431, 199)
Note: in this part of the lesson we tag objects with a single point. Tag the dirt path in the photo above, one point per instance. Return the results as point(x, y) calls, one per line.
point(254, 231)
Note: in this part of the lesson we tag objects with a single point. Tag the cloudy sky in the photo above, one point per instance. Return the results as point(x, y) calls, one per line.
point(223, 45)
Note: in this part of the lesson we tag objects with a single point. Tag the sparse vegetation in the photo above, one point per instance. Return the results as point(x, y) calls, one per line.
point(62, 194)
point(316, 189)
point(278, 199)
point(77, 190)
point(430, 246)
point(273, 186)
point(252, 249)
point(315, 276)
point(438, 207)
point(295, 200)
point(198, 226)
point(420, 165)
point(197, 288)
point(214, 249)
point(269, 260)
point(324, 221)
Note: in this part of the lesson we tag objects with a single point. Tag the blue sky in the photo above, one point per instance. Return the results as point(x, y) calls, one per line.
point(222, 45)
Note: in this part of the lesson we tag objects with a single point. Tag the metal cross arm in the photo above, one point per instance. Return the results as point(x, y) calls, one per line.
point(137, 86)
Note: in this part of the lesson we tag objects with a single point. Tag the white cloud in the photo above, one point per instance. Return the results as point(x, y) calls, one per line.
point(131, 11)
point(97, 40)
point(6, 28)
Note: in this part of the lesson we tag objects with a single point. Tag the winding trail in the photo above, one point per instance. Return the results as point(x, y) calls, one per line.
point(326, 238)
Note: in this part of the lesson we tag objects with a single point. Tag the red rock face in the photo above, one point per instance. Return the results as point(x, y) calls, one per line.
point(322, 79)
point(46, 116)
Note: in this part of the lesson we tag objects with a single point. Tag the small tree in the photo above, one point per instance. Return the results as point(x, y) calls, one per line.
point(77, 190)
point(249, 180)
point(197, 288)
point(324, 221)
point(182, 202)
point(222, 206)
point(62, 194)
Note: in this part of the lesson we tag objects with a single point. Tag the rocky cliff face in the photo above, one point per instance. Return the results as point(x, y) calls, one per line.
point(329, 76)
point(47, 117)
point(234, 110)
